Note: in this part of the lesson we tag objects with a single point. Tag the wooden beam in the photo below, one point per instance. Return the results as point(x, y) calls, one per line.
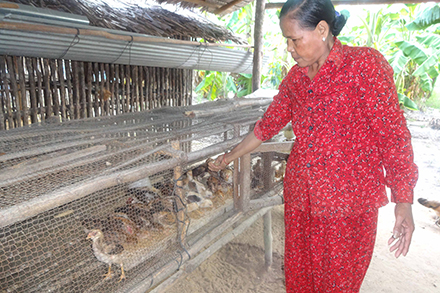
point(278, 5)
point(258, 44)
point(227, 6)
point(202, 3)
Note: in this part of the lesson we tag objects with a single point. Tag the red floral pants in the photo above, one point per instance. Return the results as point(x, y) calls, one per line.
point(328, 254)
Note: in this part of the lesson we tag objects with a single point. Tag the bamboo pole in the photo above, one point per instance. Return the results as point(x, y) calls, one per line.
point(116, 93)
point(69, 106)
point(258, 44)
point(107, 87)
point(123, 96)
point(76, 101)
point(22, 92)
point(112, 36)
point(227, 6)
point(60, 66)
point(55, 96)
point(268, 239)
point(40, 204)
point(245, 182)
point(82, 90)
point(128, 85)
point(13, 83)
point(182, 222)
point(113, 89)
point(188, 266)
point(136, 106)
point(89, 94)
point(141, 86)
point(102, 102)
point(7, 96)
point(96, 84)
point(47, 90)
point(279, 5)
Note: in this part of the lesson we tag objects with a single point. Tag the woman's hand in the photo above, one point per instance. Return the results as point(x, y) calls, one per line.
point(218, 164)
point(403, 229)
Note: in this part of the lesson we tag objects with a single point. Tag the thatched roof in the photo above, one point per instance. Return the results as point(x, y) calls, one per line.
point(213, 6)
point(143, 18)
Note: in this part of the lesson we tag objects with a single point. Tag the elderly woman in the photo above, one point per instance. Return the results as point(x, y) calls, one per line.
point(343, 106)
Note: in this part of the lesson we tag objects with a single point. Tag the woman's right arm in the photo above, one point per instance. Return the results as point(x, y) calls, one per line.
point(247, 145)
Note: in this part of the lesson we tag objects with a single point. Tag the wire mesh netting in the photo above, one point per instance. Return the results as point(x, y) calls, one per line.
point(113, 196)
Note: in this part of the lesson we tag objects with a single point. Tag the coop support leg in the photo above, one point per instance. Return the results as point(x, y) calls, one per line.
point(267, 223)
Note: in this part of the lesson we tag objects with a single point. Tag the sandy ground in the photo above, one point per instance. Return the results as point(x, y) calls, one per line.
point(238, 266)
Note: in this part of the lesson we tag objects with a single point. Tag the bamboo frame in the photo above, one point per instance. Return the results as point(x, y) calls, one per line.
point(36, 89)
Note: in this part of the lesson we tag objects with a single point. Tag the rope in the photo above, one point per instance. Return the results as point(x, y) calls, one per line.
point(75, 41)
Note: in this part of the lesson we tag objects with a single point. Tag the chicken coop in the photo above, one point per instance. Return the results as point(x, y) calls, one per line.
point(104, 185)
point(139, 180)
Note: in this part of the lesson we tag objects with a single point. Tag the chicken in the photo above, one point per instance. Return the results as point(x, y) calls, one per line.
point(257, 175)
point(107, 250)
point(116, 226)
point(288, 132)
point(280, 170)
point(432, 204)
point(192, 185)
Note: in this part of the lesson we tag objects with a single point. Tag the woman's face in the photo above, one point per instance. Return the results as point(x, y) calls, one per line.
point(306, 46)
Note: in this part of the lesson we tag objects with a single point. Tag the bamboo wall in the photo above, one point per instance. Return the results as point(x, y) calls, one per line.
point(37, 89)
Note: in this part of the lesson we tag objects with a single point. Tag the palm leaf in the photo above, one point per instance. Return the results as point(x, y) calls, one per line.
point(430, 16)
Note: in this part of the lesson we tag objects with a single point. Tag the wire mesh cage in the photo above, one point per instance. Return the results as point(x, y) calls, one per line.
point(101, 204)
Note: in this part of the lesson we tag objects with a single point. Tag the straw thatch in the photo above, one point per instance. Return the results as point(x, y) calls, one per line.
point(143, 18)
point(213, 6)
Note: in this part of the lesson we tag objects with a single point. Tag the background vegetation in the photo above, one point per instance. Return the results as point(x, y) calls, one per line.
point(408, 35)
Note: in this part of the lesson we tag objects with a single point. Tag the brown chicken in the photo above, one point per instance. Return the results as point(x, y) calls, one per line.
point(107, 250)
point(432, 204)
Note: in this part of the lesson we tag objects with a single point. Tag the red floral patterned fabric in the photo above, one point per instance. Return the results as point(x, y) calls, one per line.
point(349, 128)
point(324, 255)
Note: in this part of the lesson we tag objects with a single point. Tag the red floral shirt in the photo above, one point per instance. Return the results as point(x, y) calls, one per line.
point(349, 129)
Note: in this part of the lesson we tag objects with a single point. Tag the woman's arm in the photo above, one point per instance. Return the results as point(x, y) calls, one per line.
point(247, 145)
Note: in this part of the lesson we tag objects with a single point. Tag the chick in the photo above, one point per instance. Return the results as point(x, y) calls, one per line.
point(257, 175)
point(288, 132)
point(107, 251)
point(432, 204)
point(280, 171)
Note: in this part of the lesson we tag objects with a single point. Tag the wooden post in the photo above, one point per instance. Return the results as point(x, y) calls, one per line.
point(258, 44)
point(236, 173)
point(267, 170)
point(245, 182)
point(267, 231)
point(182, 224)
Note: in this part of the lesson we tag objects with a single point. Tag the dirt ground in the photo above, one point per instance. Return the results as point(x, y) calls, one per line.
point(238, 266)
